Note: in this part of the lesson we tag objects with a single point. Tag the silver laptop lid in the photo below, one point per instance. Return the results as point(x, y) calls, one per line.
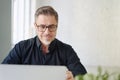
point(32, 72)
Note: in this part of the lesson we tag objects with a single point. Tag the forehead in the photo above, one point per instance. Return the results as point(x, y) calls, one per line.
point(46, 19)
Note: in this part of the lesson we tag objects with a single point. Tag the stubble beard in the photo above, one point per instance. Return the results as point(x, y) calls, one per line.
point(46, 42)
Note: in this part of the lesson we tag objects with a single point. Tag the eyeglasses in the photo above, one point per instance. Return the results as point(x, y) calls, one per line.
point(42, 28)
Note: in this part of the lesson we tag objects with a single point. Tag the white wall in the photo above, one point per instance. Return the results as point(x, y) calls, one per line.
point(5, 28)
point(92, 27)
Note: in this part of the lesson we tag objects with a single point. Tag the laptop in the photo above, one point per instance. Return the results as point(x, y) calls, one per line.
point(32, 72)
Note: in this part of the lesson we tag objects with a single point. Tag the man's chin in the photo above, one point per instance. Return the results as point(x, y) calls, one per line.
point(46, 42)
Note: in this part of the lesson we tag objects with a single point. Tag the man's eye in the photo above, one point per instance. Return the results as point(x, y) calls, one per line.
point(52, 26)
point(43, 26)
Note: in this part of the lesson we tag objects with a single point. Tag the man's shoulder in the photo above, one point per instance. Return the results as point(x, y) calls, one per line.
point(27, 42)
point(62, 44)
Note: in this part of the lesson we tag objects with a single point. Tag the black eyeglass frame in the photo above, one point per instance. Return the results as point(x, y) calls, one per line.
point(42, 28)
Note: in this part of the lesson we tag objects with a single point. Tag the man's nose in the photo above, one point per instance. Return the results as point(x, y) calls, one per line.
point(47, 31)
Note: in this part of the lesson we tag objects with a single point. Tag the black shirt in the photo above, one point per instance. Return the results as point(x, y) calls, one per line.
point(30, 52)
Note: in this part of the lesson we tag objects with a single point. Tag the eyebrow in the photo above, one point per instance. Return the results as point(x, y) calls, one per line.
point(47, 25)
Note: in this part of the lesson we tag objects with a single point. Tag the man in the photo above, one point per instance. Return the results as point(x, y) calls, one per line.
point(45, 49)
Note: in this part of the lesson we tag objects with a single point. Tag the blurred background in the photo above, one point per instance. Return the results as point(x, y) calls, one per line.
point(91, 27)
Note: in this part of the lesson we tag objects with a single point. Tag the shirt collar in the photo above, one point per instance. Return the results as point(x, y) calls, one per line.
point(38, 42)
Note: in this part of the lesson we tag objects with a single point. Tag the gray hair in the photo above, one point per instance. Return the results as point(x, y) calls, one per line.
point(46, 10)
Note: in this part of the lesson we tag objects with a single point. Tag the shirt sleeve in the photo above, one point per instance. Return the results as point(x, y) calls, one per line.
point(74, 64)
point(14, 57)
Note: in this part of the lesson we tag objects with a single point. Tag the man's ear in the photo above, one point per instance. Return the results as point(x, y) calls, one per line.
point(35, 26)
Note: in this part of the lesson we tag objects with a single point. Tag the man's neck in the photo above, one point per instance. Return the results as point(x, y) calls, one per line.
point(45, 48)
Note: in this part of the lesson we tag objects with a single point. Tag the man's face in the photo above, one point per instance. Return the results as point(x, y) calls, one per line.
point(46, 35)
